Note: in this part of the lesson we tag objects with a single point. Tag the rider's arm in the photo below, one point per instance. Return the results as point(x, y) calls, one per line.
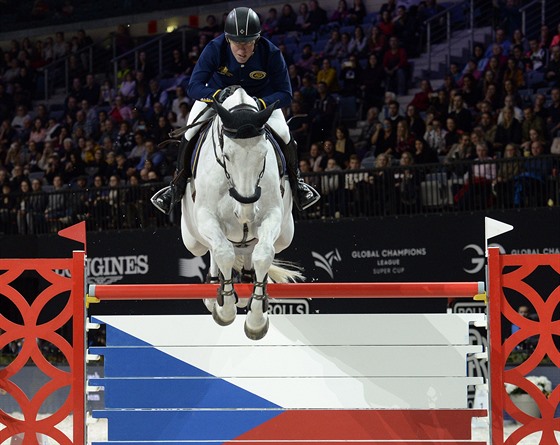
point(205, 67)
point(280, 80)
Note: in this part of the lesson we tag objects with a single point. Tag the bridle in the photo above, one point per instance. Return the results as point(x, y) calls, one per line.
point(221, 160)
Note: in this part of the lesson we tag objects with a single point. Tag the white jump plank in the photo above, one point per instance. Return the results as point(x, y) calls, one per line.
point(317, 329)
point(327, 361)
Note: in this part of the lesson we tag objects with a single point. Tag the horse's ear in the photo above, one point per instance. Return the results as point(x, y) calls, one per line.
point(263, 115)
point(224, 114)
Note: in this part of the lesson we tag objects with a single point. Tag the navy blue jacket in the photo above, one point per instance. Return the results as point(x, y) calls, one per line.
point(264, 76)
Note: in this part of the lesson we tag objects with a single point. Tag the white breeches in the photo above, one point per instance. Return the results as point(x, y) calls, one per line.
point(276, 121)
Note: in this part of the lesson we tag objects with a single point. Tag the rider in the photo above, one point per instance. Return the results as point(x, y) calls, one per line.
point(242, 57)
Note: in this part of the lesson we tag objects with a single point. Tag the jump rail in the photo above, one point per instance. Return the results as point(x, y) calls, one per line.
point(292, 290)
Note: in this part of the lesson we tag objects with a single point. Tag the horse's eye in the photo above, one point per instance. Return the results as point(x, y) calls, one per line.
point(226, 157)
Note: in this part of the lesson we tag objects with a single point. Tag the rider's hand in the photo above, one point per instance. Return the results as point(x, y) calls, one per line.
point(261, 104)
point(221, 95)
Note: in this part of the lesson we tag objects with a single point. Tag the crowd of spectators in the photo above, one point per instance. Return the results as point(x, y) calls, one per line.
point(503, 102)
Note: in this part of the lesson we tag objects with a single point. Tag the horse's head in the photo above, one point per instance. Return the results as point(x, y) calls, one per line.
point(240, 116)
point(244, 148)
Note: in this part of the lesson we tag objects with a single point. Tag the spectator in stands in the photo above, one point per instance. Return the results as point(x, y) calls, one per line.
point(212, 26)
point(421, 100)
point(316, 19)
point(416, 124)
point(122, 39)
point(530, 187)
point(382, 186)
point(386, 141)
point(460, 114)
point(507, 131)
point(60, 47)
point(287, 19)
point(120, 112)
point(7, 210)
point(407, 185)
point(476, 192)
point(506, 176)
point(358, 45)
point(330, 188)
point(351, 75)
point(390, 7)
point(533, 136)
point(531, 121)
point(134, 202)
point(56, 211)
point(423, 153)
point(469, 92)
point(270, 24)
point(553, 113)
point(299, 126)
point(552, 70)
point(404, 140)
point(343, 144)
point(435, 136)
point(127, 90)
point(302, 16)
point(461, 151)
point(395, 63)
point(340, 14)
point(323, 113)
point(161, 127)
point(376, 42)
point(500, 39)
point(386, 25)
point(38, 133)
point(315, 157)
point(344, 49)
point(183, 115)
point(332, 45)
point(306, 60)
point(357, 13)
point(328, 75)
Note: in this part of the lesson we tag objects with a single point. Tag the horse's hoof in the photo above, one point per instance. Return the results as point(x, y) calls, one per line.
point(242, 303)
point(209, 303)
point(256, 334)
point(218, 318)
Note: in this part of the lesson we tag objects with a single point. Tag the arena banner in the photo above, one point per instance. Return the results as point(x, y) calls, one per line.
point(447, 247)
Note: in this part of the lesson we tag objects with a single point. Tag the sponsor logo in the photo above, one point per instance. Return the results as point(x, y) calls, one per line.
point(192, 268)
point(257, 75)
point(223, 70)
point(474, 307)
point(326, 262)
point(111, 269)
point(278, 306)
point(477, 257)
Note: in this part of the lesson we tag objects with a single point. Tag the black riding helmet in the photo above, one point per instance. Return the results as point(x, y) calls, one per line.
point(242, 25)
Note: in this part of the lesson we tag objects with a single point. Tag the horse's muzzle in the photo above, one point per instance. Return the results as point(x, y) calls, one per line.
point(245, 199)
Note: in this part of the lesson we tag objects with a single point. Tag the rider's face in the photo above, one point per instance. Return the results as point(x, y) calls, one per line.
point(242, 50)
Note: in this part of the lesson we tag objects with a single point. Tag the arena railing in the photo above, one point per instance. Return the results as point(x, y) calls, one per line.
point(378, 192)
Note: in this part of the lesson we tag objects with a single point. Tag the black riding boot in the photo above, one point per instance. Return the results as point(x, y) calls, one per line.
point(302, 193)
point(166, 198)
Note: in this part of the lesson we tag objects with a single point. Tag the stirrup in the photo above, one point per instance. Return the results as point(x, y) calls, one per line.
point(159, 203)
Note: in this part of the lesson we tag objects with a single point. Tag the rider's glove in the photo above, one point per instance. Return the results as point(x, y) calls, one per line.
point(221, 95)
point(261, 104)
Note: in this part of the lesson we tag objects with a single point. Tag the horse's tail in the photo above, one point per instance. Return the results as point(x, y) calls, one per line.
point(279, 272)
point(285, 272)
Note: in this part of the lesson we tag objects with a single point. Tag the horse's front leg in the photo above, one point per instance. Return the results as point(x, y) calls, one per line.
point(222, 252)
point(256, 323)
